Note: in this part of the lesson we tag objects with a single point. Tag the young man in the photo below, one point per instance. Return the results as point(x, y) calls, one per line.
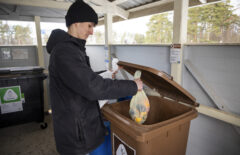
point(75, 89)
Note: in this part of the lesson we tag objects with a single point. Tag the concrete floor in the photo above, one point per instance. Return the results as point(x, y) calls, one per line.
point(28, 139)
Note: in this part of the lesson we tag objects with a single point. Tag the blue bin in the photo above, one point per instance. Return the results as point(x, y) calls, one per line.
point(124, 98)
point(106, 147)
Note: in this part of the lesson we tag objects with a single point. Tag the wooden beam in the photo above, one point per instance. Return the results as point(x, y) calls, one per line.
point(150, 5)
point(217, 100)
point(31, 18)
point(41, 59)
point(160, 8)
point(116, 2)
point(179, 35)
point(120, 12)
point(47, 4)
point(6, 10)
point(106, 7)
point(142, 11)
point(154, 10)
point(16, 10)
point(108, 40)
point(57, 20)
point(194, 3)
point(110, 8)
point(149, 11)
point(10, 13)
point(37, 3)
point(39, 41)
point(219, 114)
point(18, 18)
point(98, 2)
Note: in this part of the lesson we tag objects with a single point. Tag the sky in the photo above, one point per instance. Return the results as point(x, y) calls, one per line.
point(236, 4)
point(137, 25)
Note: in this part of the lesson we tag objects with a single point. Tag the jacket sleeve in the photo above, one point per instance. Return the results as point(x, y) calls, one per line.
point(99, 72)
point(80, 78)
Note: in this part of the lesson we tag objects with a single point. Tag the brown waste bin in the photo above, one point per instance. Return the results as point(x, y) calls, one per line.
point(165, 131)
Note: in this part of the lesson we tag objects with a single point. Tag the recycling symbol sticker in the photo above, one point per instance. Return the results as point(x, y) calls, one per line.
point(11, 99)
point(121, 150)
point(10, 95)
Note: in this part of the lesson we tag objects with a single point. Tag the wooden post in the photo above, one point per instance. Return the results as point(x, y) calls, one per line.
point(108, 39)
point(41, 59)
point(179, 35)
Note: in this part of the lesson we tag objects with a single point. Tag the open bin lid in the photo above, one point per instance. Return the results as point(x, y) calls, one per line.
point(161, 82)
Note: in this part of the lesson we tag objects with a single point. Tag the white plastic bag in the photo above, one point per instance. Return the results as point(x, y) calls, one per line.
point(139, 104)
point(108, 74)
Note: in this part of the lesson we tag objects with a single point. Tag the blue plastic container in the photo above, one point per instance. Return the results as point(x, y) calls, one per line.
point(106, 147)
point(124, 98)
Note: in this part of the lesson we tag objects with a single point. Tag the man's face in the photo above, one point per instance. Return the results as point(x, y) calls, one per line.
point(85, 29)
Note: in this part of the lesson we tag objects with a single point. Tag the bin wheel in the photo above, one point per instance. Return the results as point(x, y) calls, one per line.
point(43, 125)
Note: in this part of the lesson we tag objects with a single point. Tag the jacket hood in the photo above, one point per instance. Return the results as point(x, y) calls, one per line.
point(57, 36)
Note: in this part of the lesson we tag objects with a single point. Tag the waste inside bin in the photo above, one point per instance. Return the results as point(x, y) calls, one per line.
point(21, 95)
point(167, 126)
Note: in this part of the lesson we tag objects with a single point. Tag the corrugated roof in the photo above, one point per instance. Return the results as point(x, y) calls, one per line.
point(134, 3)
point(55, 10)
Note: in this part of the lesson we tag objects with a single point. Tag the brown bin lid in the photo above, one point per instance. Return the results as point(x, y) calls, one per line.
point(161, 81)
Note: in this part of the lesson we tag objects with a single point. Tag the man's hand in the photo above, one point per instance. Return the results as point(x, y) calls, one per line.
point(139, 84)
point(115, 72)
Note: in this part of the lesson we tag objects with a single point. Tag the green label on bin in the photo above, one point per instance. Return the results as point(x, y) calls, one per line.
point(10, 94)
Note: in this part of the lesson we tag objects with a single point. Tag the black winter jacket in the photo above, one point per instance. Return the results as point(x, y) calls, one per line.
point(74, 91)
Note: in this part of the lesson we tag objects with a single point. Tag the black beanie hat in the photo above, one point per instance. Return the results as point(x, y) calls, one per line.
point(79, 11)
